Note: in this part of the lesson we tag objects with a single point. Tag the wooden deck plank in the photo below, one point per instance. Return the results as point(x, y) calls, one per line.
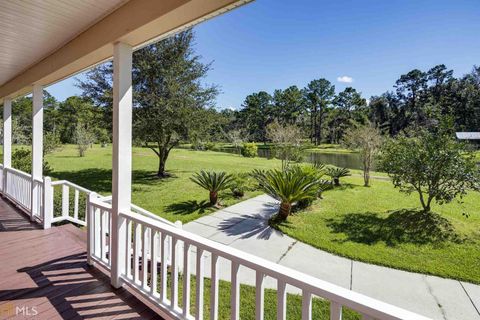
point(47, 270)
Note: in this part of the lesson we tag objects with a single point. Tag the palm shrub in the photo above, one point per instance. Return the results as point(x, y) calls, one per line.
point(288, 186)
point(242, 182)
point(337, 173)
point(212, 181)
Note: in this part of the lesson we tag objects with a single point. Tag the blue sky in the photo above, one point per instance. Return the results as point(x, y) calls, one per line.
point(272, 44)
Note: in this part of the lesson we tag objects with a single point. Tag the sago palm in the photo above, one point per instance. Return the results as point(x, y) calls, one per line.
point(212, 181)
point(337, 173)
point(288, 187)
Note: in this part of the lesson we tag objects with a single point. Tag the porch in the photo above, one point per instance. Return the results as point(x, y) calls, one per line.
point(45, 274)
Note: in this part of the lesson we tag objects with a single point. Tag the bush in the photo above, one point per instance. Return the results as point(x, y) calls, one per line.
point(209, 146)
point(337, 173)
point(241, 183)
point(22, 160)
point(213, 182)
point(198, 145)
point(288, 186)
point(249, 150)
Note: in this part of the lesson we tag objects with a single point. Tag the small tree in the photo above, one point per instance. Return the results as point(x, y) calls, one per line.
point(83, 138)
point(368, 140)
point(212, 181)
point(434, 165)
point(288, 186)
point(287, 140)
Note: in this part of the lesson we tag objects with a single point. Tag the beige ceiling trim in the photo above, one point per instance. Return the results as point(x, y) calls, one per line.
point(137, 23)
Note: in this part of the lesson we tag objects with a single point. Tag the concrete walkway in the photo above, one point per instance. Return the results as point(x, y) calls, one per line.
point(243, 226)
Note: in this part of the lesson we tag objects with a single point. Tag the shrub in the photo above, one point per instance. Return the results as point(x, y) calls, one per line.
point(198, 145)
point(241, 183)
point(249, 150)
point(209, 146)
point(337, 173)
point(212, 181)
point(22, 160)
point(288, 186)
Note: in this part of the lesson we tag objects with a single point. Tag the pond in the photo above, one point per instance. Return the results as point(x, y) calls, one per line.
point(340, 159)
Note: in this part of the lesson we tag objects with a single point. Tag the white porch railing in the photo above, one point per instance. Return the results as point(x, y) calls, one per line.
point(159, 251)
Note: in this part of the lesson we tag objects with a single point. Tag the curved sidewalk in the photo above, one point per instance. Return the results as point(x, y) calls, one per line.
point(243, 226)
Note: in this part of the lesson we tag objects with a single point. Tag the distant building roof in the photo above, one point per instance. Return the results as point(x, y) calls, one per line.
point(468, 135)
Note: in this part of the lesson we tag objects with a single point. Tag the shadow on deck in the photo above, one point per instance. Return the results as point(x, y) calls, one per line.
point(44, 275)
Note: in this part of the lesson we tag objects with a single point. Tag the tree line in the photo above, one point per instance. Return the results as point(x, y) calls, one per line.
point(418, 99)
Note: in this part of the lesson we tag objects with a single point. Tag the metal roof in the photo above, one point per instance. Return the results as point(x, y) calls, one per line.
point(468, 135)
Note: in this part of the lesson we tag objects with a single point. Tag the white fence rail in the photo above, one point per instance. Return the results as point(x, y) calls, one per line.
point(73, 202)
point(160, 257)
point(157, 253)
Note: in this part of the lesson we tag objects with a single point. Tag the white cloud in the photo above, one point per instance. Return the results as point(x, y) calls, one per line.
point(345, 79)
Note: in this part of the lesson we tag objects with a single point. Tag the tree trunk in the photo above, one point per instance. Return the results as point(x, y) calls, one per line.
point(285, 209)
point(213, 198)
point(161, 168)
point(336, 181)
point(366, 178)
point(162, 153)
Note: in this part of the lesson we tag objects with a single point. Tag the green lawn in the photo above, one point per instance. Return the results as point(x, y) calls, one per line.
point(175, 198)
point(365, 224)
point(320, 307)
point(382, 226)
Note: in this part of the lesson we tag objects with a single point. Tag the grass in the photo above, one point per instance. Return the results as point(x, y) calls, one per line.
point(174, 198)
point(380, 225)
point(320, 307)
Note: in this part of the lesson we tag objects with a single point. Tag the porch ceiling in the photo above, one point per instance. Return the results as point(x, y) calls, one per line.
point(31, 29)
point(46, 41)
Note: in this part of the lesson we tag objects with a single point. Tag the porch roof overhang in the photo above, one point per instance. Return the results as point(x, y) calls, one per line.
point(45, 42)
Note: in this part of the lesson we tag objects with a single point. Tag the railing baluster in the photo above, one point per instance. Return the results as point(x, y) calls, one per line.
point(144, 275)
point(163, 277)
point(200, 285)
point(281, 300)
point(65, 200)
point(306, 305)
point(259, 292)
point(109, 230)
point(174, 270)
point(186, 279)
point(75, 205)
point(128, 250)
point(97, 231)
point(153, 261)
point(136, 253)
point(214, 288)
point(335, 311)
point(102, 235)
point(235, 294)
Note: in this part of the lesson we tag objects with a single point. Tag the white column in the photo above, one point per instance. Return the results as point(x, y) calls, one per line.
point(37, 147)
point(7, 133)
point(7, 140)
point(122, 155)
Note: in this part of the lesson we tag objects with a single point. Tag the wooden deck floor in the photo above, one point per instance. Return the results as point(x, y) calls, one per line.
point(44, 275)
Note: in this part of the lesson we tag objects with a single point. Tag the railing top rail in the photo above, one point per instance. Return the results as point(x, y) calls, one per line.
point(140, 210)
point(345, 297)
point(71, 184)
point(151, 215)
point(18, 172)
